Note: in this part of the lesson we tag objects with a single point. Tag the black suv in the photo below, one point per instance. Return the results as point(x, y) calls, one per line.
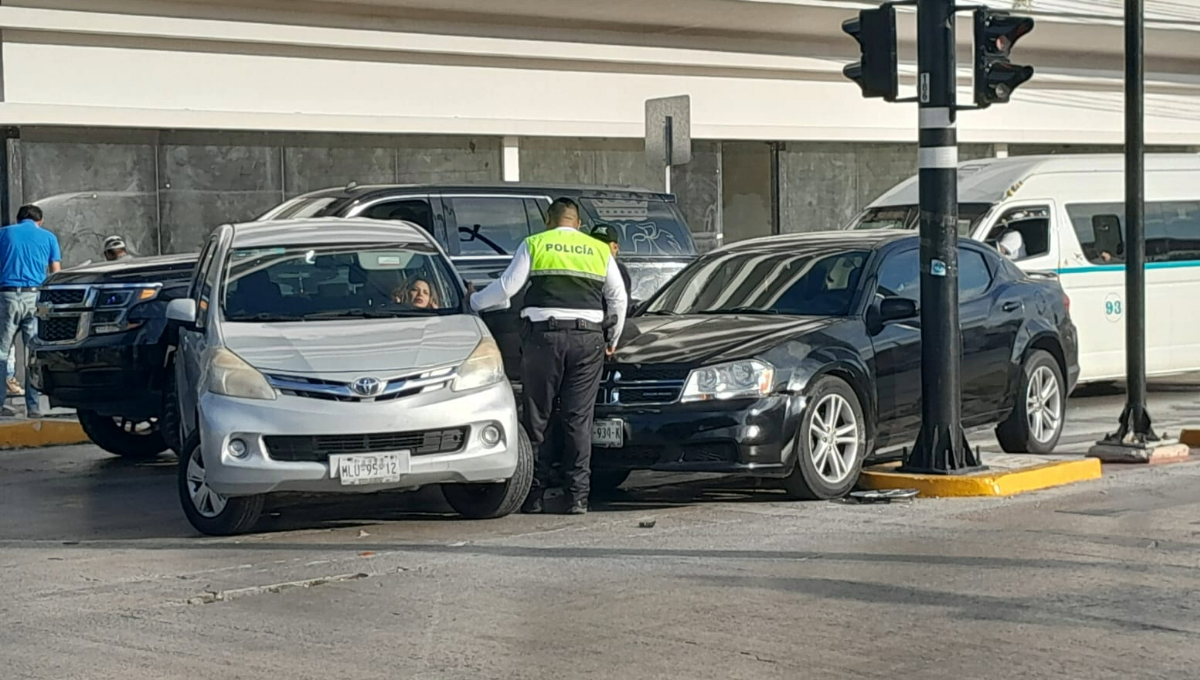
point(102, 344)
point(481, 225)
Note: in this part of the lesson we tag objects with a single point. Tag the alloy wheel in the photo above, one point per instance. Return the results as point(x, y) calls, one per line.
point(207, 502)
point(833, 439)
point(1043, 404)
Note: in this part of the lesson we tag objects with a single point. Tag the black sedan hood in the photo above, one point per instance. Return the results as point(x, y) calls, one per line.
point(706, 339)
point(158, 269)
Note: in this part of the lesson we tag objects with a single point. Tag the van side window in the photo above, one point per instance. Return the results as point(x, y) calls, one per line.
point(490, 226)
point(1172, 231)
point(1032, 231)
point(415, 210)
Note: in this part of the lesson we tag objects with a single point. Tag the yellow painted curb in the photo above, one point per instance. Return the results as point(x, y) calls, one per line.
point(28, 434)
point(986, 483)
point(1191, 438)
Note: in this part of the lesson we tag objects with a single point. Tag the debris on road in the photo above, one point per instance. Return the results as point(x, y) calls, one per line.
point(647, 523)
point(210, 596)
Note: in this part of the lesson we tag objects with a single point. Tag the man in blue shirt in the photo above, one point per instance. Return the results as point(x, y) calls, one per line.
point(27, 254)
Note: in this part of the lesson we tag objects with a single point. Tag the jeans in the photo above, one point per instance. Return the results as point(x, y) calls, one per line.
point(17, 313)
point(12, 366)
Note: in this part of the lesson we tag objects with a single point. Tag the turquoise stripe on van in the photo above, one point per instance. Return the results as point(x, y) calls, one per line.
point(1121, 267)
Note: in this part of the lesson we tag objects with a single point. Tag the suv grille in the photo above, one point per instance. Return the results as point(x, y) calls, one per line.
point(58, 328)
point(62, 296)
point(318, 448)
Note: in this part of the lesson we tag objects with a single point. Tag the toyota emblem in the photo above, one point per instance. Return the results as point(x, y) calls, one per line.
point(367, 387)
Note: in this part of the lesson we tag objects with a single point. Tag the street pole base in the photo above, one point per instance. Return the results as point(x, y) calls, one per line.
point(1130, 451)
point(942, 451)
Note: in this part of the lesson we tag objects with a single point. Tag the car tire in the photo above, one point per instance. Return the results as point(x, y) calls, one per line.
point(110, 434)
point(608, 481)
point(207, 511)
point(828, 464)
point(1036, 422)
point(171, 424)
point(492, 501)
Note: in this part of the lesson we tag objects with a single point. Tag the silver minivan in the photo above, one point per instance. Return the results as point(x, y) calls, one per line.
point(337, 355)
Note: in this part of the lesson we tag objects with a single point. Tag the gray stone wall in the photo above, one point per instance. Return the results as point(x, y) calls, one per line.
point(165, 191)
point(822, 185)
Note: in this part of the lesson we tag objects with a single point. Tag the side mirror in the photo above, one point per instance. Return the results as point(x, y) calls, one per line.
point(182, 310)
point(897, 309)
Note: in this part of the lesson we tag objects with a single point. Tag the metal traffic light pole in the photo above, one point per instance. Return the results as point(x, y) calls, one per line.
point(942, 445)
point(1135, 440)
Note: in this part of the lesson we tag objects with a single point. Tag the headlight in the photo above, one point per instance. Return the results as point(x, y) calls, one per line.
point(484, 367)
point(230, 375)
point(736, 379)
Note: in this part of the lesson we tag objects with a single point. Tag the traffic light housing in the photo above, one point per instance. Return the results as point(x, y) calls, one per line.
point(875, 31)
point(995, 76)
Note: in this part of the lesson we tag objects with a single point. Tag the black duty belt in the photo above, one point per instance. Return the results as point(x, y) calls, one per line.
point(566, 325)
point(17, 289)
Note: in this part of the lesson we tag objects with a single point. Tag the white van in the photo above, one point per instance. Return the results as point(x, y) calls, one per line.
point(1069, 211)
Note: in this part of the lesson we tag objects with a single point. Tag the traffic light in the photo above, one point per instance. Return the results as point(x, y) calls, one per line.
point(875, 31)
point(995, 76)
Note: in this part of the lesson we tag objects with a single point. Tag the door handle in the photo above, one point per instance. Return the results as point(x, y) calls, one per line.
point(1010, 306)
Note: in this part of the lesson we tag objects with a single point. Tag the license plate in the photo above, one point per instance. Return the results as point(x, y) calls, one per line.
point(609, 434)
point(369, 468)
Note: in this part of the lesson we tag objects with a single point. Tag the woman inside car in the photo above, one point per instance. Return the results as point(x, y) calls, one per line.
point(416, 293)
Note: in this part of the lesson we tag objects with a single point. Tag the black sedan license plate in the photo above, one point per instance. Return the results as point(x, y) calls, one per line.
point(608, 433)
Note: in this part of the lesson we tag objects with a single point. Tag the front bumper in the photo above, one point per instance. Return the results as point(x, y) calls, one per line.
point(111, 375)
point(748, 436)
point(256, 422)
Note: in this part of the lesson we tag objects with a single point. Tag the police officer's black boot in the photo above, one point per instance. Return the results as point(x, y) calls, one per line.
point(579, 506)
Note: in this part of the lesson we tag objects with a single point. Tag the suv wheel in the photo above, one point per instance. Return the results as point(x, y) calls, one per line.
point(208, 511)
point(490, 501)
point(1036, 423)
point(138, 440)
point(832, 443)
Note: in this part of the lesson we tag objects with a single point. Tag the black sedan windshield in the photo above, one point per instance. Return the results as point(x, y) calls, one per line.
point(757, 282)
point(306, 283)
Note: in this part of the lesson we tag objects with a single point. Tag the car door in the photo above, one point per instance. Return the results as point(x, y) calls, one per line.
point(898, 352)
point(193, 339)
point(990, 315)
point(485, 230)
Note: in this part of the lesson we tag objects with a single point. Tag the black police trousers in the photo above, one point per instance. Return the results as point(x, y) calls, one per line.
point(560, 359)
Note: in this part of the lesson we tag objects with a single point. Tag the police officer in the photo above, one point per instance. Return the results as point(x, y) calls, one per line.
point(571, 278)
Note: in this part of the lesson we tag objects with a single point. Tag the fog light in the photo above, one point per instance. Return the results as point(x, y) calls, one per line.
point(490, 435)
point(237, 448)
point(753, 431)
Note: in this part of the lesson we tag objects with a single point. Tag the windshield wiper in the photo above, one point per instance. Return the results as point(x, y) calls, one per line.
point(740, 310)
point(359, 313)
point(265, 317)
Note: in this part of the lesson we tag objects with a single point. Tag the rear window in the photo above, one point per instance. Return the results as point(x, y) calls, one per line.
point(646, 227)
point(908, 217)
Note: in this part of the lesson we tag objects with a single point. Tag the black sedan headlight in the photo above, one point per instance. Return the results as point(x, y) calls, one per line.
point(733, 380)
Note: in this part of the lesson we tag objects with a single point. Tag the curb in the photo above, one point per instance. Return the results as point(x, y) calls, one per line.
point(28, 434)
point(986, 483)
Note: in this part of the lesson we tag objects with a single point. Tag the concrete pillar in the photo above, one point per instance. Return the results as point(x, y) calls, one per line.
point(510, 159)
point(1001, 151)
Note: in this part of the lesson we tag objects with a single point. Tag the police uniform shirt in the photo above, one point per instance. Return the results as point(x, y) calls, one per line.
point(500, 291)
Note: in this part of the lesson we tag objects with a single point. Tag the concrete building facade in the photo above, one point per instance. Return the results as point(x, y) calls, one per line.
point(160, 119)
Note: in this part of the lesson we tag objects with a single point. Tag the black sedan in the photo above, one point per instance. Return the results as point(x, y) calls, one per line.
point(799, 357)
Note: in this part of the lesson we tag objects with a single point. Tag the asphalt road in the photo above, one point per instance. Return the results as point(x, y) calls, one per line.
point(103, 578)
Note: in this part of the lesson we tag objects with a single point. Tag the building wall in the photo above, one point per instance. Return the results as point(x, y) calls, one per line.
point(823, 185)
point(165, 191)
point(746, 192)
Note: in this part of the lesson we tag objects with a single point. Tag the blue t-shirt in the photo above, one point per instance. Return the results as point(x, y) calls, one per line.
point(26, 250)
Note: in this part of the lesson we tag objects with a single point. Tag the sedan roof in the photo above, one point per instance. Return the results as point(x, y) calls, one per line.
point(327, 231)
